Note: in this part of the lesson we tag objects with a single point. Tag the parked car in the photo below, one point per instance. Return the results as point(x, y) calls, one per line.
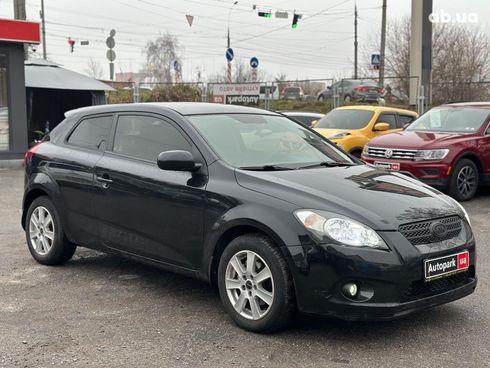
point(448, 148)
point(306, 118)
point(357, 90)
point(268, 210)
point(351, 127)
point(292, 93)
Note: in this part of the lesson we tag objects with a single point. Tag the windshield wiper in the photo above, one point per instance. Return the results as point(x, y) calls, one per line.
point(328, 164)
point(266, 168)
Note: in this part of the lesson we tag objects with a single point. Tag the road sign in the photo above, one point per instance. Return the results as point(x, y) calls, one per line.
point(375, 59)
point(111, 55)
point(176, 66)
point(110, 42)
point(229, 54)
point(254, 62)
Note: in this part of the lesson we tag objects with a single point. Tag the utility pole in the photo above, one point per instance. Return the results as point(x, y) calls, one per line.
point(355, 41)
point(43, 30)
point(383, 47)
point(228, 44)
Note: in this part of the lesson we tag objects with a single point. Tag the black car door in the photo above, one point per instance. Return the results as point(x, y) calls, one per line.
point(72, 168)
point(142, 209)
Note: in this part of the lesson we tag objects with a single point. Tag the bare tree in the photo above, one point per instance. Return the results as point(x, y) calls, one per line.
point(160, 57)
point(460, 65)
point(94, 69)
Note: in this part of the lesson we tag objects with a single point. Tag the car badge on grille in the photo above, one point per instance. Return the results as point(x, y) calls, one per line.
point(438, 229)
point(388, 153)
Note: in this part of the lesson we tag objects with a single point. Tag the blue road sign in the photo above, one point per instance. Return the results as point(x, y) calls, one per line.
point(229, 54)
point(375, 59)
point(254, 62)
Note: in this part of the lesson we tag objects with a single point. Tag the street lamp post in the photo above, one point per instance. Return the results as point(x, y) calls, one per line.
point(228, 71)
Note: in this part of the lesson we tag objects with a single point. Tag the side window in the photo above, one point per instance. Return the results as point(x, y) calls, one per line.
point(145, 137)
point(92, 133)
point(388, 118)
point(488, 130)
point(403, 120)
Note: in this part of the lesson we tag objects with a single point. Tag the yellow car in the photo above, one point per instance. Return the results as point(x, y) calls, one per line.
point(351, 127)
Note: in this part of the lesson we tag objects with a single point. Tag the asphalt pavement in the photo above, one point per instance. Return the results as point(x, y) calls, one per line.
point(102, 311)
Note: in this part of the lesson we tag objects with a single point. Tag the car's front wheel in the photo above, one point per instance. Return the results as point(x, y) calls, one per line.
point(463, 181)
point(45, 235)
point(255, 284)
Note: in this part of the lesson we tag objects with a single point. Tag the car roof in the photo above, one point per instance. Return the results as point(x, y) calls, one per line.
point(376, 108)
point(483, 104)
point(183, 108)
point(301, 113)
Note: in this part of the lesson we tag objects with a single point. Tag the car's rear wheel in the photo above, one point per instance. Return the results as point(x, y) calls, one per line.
point(255, 284)
point(464, 179)
point(45, 236)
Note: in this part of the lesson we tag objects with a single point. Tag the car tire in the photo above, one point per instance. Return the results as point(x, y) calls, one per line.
point(45, 236)
point(357, 153)
point(464, 179)
point(263, 305)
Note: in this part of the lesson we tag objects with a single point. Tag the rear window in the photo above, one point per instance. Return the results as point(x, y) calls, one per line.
point(92, 133)
point(345, 119)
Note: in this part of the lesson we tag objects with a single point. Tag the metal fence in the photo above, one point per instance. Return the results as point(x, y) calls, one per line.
point(317, 94)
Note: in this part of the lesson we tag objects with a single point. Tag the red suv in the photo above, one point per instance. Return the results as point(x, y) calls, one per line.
point(448, 147)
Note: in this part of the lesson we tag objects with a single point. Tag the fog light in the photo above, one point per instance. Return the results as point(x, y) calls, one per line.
point(350, 289)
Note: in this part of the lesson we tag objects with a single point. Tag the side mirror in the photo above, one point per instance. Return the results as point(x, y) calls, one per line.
point(177, 161)
point(381, 127)
point(313, 123)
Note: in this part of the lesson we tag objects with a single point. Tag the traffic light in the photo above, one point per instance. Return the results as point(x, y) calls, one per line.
point(265, 14)
point(296, 17)
point(71, 43)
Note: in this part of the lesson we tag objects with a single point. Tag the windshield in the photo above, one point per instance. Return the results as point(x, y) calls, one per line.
point(451, 119)
point(345, 119)
point(249, 140)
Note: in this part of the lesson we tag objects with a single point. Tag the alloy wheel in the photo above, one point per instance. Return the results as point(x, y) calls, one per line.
point(41, 230)
point(466, 180)
point(249, 285)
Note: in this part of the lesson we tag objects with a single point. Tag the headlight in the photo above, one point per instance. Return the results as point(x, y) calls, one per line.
point(341, 229)
point(365, 150)
point(431, 154)
point(339, 135)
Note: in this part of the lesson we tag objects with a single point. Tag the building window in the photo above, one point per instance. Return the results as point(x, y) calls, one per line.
point(4, 110)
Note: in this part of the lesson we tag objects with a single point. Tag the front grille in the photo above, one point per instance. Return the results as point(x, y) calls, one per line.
point(420, 232)
point(421, 289)
point(400, 154)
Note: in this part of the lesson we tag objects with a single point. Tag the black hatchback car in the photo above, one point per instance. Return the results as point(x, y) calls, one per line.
point(275, 215)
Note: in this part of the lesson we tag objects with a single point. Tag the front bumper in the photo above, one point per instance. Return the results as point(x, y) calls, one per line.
point(391, 283)
point(433, 173)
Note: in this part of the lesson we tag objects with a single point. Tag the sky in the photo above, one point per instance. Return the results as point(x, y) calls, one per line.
point(322, 46)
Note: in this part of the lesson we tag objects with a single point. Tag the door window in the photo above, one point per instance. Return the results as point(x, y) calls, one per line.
point(145, 137)
point(403, 120)
point(92, 133)
point(388, 118)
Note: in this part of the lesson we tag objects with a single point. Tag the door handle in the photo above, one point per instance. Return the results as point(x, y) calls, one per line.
point(104, 179)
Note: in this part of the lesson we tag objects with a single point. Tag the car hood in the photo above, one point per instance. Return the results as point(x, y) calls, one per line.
point(418, 140)
point(377, 198)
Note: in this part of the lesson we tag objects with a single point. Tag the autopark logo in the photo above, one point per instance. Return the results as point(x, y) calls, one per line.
point(444, 17)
